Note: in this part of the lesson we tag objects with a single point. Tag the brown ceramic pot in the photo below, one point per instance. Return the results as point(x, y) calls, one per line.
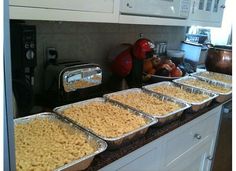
point(219, 60)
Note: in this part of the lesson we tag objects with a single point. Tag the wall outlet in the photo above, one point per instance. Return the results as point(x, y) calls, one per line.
point(51, 54)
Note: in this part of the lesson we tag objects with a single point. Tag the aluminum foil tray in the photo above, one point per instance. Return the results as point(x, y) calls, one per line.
point(194, 106)
point(161, 119)
point(75, 165)
point(198, 75)
point(221, 96)
point(113, 143)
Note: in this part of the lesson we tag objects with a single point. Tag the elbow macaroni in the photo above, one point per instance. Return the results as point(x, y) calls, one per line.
point(146, 103)
point(105, 119)
point(180, 93)
point(44, 145)
point(205, 85)
point(216, 76)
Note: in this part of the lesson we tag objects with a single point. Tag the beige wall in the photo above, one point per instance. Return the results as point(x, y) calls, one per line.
point(91, 42)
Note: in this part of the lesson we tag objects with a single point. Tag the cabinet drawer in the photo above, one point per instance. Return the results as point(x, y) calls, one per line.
point(105, 6)
point(192, 135)
point(178, 144)
point(148, 161)
point(147, 158)
point(210, 122)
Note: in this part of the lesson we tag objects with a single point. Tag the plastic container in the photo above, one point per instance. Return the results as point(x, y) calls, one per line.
point(177, 56)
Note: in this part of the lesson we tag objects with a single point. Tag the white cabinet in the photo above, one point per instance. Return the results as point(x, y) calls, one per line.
point(151, 12)
point(148, 161)
point(147, 158)
point(101, 11)
point(77, 5)
point(187, 148)
point(197, 158)
point(70, 10)
point(207, 12)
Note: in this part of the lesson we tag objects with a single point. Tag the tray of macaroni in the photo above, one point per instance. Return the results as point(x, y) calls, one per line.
point(158, 106)
point(213, 76)
point(45, 141)
point(111, 122)
point(197, 98)
point(224, 91)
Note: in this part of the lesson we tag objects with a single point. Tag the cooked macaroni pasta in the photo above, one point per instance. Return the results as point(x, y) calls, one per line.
point(44, 144)
point(105, 119)
point(177, 92)
point(216, 76)
point(205, 85)
point(83, 84)
point(146, 103)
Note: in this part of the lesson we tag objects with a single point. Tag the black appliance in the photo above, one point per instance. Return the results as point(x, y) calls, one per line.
point(23, 46)
point(68, 82)
point(24, 61)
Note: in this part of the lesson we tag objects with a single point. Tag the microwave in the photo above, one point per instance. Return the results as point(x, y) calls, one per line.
point(156, 8)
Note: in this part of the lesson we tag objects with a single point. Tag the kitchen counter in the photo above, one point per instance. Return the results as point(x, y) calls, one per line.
point(152, 134)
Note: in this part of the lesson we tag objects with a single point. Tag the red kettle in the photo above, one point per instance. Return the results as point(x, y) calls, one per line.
point(122, 56)
point(141, 47)
point(121, 60)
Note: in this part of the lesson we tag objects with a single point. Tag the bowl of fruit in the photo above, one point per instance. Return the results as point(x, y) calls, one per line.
point(157, 69)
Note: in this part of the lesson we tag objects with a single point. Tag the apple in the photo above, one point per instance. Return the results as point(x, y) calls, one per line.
point(167, 67)
point(163, 72)
point(170, 63)
point(147, 65)
point(176, 72)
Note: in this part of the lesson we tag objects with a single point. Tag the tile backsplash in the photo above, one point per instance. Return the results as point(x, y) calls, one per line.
point(91, 42)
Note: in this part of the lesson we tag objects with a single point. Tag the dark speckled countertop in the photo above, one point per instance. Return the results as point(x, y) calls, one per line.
point(153, 133)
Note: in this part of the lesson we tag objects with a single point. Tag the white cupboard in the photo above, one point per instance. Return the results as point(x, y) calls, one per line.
point(76, 5)
point(207, 12)
point(188, 148)
point(202, 12)
point(147, 158)
point(197, 158)
point(70, 10)
point(148, 161)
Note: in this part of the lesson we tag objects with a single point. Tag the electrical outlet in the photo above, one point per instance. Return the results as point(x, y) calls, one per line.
point(51, 54)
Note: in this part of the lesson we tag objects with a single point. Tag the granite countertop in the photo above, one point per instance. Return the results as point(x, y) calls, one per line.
point(153, 133)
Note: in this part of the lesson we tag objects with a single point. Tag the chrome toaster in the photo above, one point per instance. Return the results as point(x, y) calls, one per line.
point(71, 81)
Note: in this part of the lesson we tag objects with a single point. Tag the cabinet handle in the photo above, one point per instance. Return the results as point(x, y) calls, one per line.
point(128, 5)
point(197, 136)
point(227, 110)
point(193, 7)
point(222, 6)
point(210, 158)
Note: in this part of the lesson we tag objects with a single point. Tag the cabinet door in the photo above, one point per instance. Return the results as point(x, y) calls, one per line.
point(105, 6)
point(197, 158)
point(100, 11)
point(148, 158)
point(207, 10)
point(150, 161)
